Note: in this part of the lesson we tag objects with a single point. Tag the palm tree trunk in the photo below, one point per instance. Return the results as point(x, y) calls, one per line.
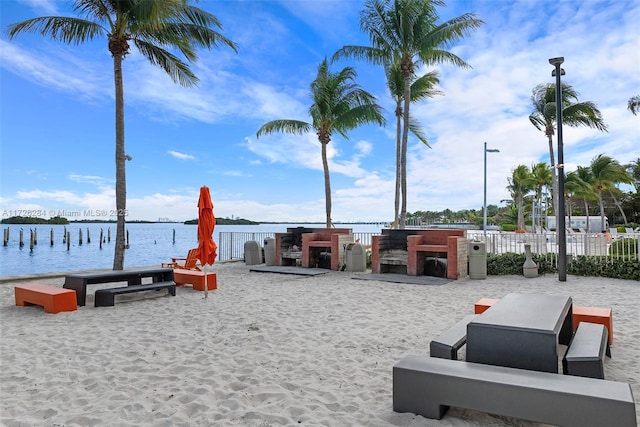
point(327, 183)
point(586, 212)
point(398, 164)
point(617, 203)
point(121, 182)
point(403, 151)
point(554, 179)
point(601, 203)
point(520, 213)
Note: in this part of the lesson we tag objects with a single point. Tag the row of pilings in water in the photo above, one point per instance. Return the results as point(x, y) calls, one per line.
point(66, 237)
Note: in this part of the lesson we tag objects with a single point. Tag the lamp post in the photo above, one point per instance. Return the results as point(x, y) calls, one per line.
point(560, 220)
point(484, 218)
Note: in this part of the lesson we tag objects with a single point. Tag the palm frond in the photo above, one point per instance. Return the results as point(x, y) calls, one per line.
point(66, 29)
point(284, 126)
point(176, 69)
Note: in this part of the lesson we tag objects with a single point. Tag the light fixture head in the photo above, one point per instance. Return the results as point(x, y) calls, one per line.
point(556, 61)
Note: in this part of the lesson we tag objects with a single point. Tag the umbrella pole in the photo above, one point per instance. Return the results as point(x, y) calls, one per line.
point(206, 285)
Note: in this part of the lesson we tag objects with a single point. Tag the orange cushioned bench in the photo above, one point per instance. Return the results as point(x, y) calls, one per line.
point(53, 299)
point(195, 278)
point(602, 316)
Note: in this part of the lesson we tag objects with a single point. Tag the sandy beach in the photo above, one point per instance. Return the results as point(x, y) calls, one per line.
point(263, 349)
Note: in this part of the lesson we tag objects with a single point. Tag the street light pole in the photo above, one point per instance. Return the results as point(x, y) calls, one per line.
point(560, 219)
point(484, 219)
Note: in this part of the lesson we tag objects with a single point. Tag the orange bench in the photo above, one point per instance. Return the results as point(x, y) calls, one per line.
point(483, 304)
point(195, 278)
point(53, 299)
point(602, 316)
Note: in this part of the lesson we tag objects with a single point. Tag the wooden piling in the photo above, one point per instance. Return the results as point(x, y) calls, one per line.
point(64, 235)
point(109, 234)
point(127, 246)
point(6, 237)
point(80, 237)
point(32, 239)
point(68, 239)
point(51, 236)
point(35, 236)
point(88, 236)
point(174, 236)
point(101, 232)
point(21, 238)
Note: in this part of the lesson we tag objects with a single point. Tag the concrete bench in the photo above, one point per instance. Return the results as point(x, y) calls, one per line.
point(51, 298)
point(106, 297)
point(446, 346)
point(585, 355)
point(428, 386)
point(195, 278)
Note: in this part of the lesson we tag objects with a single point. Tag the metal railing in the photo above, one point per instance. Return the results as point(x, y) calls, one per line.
point(606, 247)
point(624, 245)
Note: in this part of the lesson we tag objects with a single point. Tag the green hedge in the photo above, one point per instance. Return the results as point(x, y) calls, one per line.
point(511, 263)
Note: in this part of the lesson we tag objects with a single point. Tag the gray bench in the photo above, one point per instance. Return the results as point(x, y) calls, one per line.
point(585, 355)
point(428, 386)
point(106, 297)
point(446, 346)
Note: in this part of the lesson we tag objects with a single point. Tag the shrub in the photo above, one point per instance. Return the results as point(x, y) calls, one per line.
point(627, 248)
point(592, 266)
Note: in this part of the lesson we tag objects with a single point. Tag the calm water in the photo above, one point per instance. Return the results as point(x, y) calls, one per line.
point(149, 244)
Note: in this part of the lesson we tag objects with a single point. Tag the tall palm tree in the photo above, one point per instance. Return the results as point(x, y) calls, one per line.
point(542, 176)
point(339, 105)
point(421, 88)
point(574, 114)
point(158, 28)
point(634, 104)
point(407, 32)
point(521, 183)
point(608, 172)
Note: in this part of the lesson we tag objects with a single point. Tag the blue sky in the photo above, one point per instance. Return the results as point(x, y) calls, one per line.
point(57, 113)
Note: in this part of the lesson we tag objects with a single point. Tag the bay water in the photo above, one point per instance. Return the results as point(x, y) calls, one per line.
point(149, 244)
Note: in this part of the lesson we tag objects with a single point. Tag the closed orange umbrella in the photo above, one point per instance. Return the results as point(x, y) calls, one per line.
point(207, 248)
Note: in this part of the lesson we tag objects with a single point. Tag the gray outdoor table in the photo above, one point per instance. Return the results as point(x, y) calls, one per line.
point(521, 331)
point(79, 282)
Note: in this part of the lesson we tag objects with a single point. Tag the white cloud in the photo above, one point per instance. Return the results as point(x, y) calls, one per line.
point(181, 156)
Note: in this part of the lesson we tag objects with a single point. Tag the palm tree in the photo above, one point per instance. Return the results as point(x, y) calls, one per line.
point(542, 176)
point(521, 183)
point(407, 32)
point(633, 169)
point(575, 186)
point(574, 114)
point(158, 28)
point(634, 104)
point(339, 105)
point(606, 174)
point(586, 191)
point(421, 88)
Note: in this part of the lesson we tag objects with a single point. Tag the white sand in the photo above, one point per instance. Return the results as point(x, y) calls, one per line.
point(263, 350)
